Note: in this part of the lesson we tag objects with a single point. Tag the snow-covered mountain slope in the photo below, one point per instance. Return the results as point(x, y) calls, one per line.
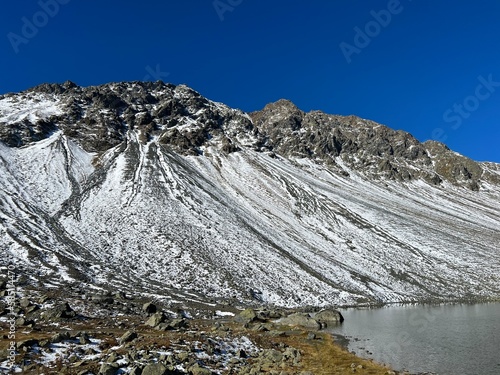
point(154, 188)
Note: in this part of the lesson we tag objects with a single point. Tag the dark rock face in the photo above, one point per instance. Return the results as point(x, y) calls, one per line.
point(102, 117)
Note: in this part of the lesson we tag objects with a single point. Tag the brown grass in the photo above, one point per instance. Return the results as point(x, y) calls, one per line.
point(324, 357)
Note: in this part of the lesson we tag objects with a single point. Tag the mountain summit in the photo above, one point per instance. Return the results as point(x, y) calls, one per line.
point(153, 187)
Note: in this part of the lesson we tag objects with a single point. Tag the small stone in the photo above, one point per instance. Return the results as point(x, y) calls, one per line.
point(84, 339)
point(128, 336)
point(31, 309)
point(311, 336)
point(136, 371)
point(119, 295)
point(43, 299)
point(113, 357)
point(155, 369)
point(108, 369)
point(182, 356)
point(60, 337)
point(26, 343)
point(198, 370)
point(178, 323)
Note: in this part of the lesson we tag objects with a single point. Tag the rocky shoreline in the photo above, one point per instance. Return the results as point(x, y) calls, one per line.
point(74, 331)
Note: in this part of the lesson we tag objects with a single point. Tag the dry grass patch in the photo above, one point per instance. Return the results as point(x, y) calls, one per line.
point(324, 357)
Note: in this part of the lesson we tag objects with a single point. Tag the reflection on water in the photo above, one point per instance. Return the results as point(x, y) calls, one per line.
point(446, 339)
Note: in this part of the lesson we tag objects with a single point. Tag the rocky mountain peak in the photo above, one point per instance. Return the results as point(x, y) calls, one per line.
point(176, 116)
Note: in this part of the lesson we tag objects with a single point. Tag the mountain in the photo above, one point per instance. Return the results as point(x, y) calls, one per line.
point(153, 188)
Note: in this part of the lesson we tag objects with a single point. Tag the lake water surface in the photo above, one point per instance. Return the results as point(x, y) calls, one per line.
point(455, 339)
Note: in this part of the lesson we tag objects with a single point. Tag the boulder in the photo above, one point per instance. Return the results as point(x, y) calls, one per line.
point(26, 343)
point(149, 308)
point(300, 319)
point(108, 369)
point(198, 370)
point(156, 369)
point(329, 316)
point(178, 323)
point(246, 316)
point(61, 311)
point(127, 337)
point(155, 319)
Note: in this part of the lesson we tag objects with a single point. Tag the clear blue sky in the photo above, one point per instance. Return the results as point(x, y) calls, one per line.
point(418, 71)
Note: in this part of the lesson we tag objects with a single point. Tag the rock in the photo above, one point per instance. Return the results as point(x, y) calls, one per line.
point(178, 323)
point(155, 319)
point(119, 295)
point(26, 343)
point(246, 316)
point(21, 322)
point(300, 319)
point(31, 309)
point(61, 311)
point(128, 336)
point(311, 336)
point(24, 302)
point(84, 339)
point(43, 299)
point(198, 370)
point(156, 369)
point(90, 351)
point(329, 316)
point(60, 337)
point(103, 299)
point(136, 371)
point(292, 354)
point(182, 356)
point(113, 357)
point(108, 369)
point(163, 327)
point(272, 355)
point(149, 308)
point(260, 328)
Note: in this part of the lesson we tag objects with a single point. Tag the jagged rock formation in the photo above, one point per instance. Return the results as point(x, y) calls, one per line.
point(153, 186)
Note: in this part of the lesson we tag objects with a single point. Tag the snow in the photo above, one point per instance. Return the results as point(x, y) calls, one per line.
point(223, 313)
point(294, 232)
point(32, 109)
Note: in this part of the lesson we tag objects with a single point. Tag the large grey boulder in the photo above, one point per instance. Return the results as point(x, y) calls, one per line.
point(61, 311)
point(300, 319)
point(155, 319)
point(329, 316)
point(246, 316)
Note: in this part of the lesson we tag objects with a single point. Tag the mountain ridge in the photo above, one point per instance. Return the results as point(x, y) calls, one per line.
point(153, 186)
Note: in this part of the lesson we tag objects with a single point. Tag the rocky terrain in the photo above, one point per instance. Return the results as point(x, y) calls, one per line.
point(126, 193)
point(105, 333)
